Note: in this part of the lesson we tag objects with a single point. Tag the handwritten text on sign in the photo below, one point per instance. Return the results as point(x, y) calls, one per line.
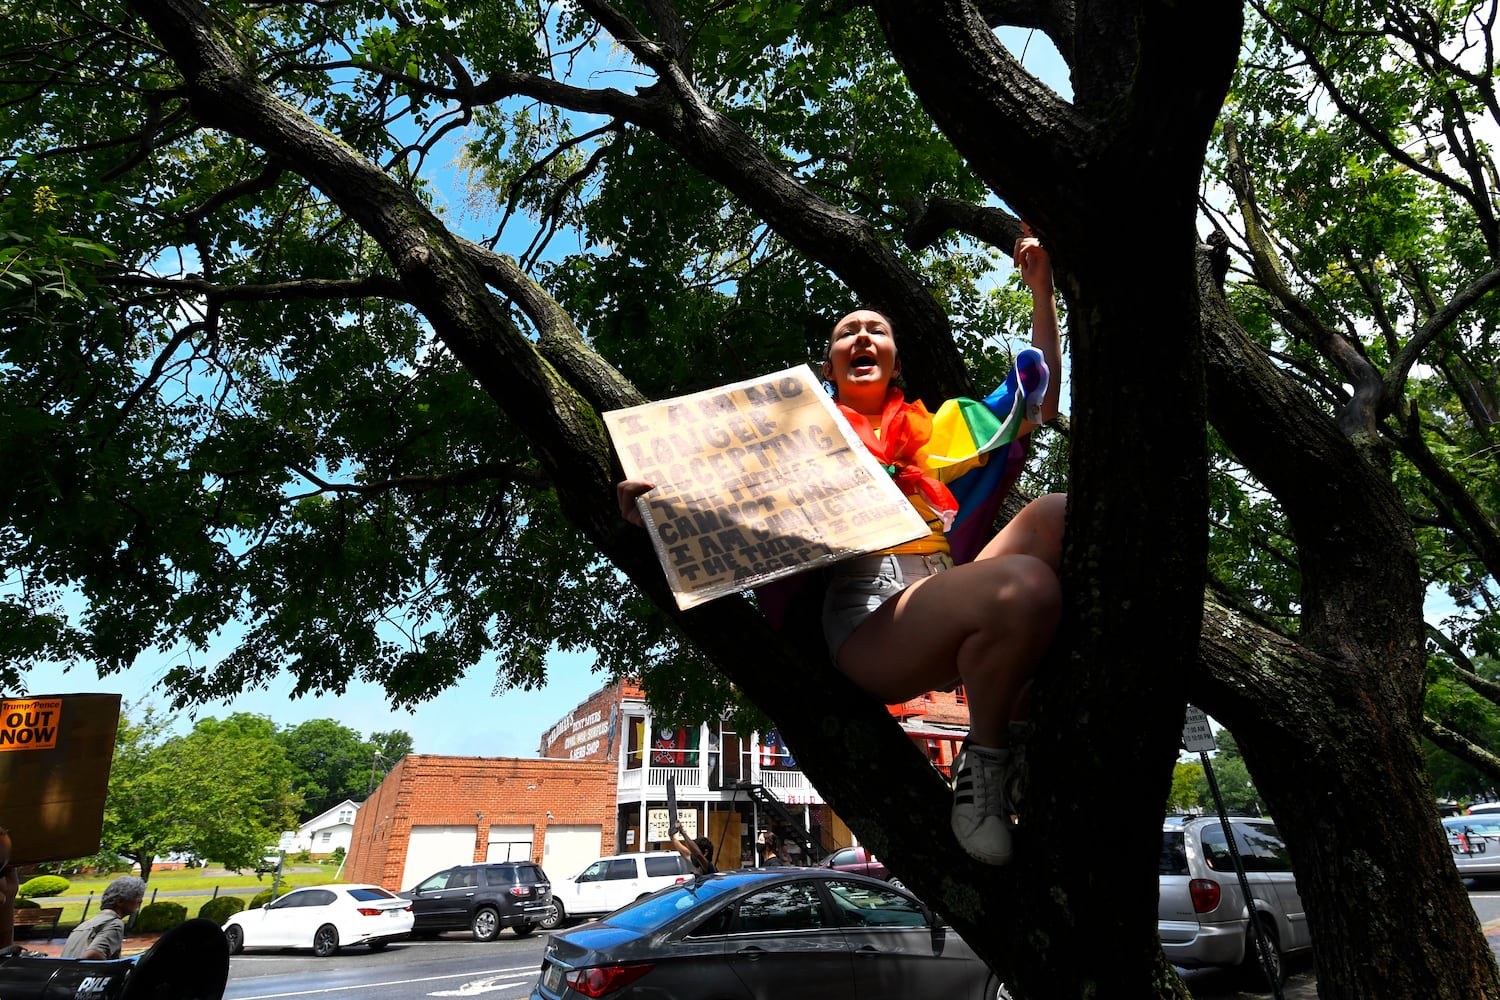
point(29, 723)
point(755, 481)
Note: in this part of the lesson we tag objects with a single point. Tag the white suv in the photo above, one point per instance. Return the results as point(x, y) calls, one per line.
point(609, 883)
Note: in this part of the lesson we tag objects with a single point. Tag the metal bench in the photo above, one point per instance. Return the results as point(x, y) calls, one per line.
point(39, 916)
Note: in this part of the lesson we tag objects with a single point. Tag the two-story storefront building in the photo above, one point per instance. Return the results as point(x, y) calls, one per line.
point(599, 786)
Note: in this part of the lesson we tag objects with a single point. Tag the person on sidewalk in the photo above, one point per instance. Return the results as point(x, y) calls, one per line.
point(699, 851)
point(102, 936)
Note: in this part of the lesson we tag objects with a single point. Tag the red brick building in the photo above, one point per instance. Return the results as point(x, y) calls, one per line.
point(598, 787)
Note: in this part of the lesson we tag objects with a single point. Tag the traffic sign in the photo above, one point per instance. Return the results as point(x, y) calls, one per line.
point(1197, 736)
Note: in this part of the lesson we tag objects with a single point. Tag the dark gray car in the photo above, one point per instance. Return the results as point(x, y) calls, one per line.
point(777, 934)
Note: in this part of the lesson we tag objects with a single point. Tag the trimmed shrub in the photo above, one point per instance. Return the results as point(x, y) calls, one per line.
point(45, 885)
point(337, 856)
point(23, 903)
point(302, 857)
point(260, 899)
point(157, 917)
point(221, 909)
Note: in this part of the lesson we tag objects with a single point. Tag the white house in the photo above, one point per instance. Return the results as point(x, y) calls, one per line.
point(324, 833)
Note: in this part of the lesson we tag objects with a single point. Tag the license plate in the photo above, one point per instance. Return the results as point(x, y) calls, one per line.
point(552, 979)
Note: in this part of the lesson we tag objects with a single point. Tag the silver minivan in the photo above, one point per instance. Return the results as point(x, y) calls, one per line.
point(1201, 914)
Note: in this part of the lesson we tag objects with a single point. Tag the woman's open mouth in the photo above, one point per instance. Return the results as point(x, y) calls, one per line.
point(862, 364)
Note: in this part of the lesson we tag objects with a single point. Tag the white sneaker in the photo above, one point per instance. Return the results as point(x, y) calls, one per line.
point(981, 802)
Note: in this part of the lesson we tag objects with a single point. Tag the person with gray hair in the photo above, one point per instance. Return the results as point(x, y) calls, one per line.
point(103, 936)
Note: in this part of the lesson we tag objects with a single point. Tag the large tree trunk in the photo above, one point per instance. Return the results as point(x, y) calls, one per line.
point(1330, 724)
point(1123, 159)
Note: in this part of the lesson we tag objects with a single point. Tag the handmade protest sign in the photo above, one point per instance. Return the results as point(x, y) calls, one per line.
point(755, 481)
point(55, 753)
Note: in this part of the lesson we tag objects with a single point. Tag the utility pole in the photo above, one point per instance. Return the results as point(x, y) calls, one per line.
point(369, 790)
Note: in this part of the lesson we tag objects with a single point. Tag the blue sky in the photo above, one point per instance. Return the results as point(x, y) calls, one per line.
point(465, 720)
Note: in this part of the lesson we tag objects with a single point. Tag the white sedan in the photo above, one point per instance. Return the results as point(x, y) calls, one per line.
point(323, 918)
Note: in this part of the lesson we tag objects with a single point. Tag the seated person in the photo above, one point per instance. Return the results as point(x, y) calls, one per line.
point(103, 935)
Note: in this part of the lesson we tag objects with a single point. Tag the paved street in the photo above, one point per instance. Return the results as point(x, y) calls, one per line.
point(451, 966)
point(454, 965)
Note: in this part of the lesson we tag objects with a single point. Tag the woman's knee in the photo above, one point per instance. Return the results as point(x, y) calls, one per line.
point(1036, 531)
point(1032, 588)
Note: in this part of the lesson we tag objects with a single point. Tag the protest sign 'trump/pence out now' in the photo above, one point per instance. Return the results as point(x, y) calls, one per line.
point(754, 481)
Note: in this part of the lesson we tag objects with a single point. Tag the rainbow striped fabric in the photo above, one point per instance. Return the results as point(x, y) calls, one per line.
point(963, 428)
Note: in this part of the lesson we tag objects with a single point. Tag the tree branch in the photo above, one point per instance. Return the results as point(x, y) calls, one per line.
point(931, 219)
point(1445, 317)
point(1461, 747)
point(372, 286)
point(505, 473)
point(559, 339)
point(1474, 523)
point(1360, 417)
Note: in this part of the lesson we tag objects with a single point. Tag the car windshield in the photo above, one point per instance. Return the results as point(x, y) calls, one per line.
point(1485, 825)
point(653, 911)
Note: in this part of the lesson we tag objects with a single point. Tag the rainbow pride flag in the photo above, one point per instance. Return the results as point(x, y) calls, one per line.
point(963, 428)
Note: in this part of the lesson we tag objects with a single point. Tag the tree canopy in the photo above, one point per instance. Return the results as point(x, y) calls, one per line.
point(221, 792)
point(269, 376)
point(331, 762)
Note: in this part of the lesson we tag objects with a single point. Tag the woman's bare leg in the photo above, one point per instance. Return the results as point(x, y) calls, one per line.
point(988, 623)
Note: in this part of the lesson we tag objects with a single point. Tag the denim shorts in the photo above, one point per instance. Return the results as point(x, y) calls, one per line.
point(857, 587)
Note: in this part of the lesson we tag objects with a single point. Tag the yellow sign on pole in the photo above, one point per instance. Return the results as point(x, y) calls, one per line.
point(755, 481)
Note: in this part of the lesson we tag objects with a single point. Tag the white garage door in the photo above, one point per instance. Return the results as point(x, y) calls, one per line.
point(433, 848)
point(509, 843)
point(568, 849)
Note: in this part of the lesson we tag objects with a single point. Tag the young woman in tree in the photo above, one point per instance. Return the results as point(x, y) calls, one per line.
point(908, 620)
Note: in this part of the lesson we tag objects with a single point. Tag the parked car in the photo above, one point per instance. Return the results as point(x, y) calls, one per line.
point(1475, 843)
point(324, 918)
point(1201, 913)
point(605, 885)
point(861, 861)
point(792, 934)
point(483, 899)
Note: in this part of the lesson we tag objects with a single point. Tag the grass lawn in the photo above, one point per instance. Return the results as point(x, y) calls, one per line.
point(172, 885)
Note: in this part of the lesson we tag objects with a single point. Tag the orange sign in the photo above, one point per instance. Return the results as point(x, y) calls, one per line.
point(54, 773)
point(29, 723)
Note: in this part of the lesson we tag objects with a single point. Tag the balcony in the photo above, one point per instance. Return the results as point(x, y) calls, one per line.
point(787, 784)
